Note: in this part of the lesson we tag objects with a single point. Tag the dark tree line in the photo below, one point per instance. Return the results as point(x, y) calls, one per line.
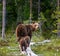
point(37, 10)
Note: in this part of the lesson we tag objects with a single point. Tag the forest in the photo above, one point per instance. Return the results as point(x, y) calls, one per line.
point(45, 12)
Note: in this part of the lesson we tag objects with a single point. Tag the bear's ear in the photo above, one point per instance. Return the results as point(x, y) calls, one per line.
point(19, 23)
point(33, 22)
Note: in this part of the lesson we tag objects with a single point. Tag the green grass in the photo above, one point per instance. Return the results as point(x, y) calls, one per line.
point(48, 49)
point(10, 48)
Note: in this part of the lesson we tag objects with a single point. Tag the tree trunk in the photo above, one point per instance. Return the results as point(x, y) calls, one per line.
point(38, 9)
point(58, 25)
point(58, 4)
point(30, 11)
point(3, 19)
point(40, 24)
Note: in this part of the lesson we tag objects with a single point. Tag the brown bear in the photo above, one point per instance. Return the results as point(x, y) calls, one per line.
point(30, 28)
point(25, 30)
point(24, 43)
point(21, 31)
point(24, 34)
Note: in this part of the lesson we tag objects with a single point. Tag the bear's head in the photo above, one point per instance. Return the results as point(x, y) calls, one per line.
point(35, 25)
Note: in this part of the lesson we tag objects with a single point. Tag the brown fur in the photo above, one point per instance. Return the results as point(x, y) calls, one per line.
point(21, 31)
point(24, 34)
point(24, 42)
point(24, 30)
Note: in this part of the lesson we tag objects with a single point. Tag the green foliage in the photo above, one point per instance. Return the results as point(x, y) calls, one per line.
point(0, 16)
point(46, 49)
point(26, 11)
point(48, 16)
point(19, 10)
point(34, 9)
point(4, 43)
point(2, 52)
point(11, 15)
point(48, 25)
